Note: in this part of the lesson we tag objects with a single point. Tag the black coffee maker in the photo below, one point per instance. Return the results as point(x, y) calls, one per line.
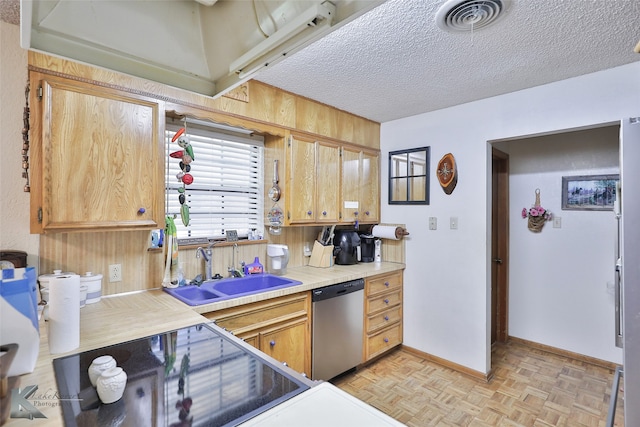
point(346, 247)
point(367, 247)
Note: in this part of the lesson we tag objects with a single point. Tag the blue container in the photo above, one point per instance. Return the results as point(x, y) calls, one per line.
point(21, 292)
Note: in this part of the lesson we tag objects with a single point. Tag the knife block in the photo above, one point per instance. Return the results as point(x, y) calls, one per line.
point(321, 256)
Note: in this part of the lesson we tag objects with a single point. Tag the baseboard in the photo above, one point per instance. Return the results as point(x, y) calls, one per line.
point(448, 364)
point(560, 352)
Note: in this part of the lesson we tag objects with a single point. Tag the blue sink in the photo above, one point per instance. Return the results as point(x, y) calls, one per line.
point(219, 290)
point(252, 284)
point(194, 295)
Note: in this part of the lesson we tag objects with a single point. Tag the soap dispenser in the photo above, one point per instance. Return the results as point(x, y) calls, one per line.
point(254, 268)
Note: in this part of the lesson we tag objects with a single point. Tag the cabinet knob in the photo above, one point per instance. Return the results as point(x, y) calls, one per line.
point(386, 284)
point(367, 213)
point(324, 213)
point(386, 340)
point(355, 213)
point(309, 213)
point(272, 343)
point(141, 211)
point(386, 301)
point(386, 318)
point(285, 363)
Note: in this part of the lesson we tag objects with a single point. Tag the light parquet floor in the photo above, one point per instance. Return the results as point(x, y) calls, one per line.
point(530, 387)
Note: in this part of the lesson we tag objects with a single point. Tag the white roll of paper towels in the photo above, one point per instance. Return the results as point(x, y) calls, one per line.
point(389, 232)
point(64, 313)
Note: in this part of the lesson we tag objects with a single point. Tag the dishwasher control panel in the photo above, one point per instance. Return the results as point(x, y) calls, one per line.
point(337, 290)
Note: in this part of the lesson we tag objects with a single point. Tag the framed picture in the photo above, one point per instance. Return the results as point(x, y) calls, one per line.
point(589, 192)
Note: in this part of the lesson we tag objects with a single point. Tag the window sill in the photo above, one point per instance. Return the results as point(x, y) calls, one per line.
point(218, 244)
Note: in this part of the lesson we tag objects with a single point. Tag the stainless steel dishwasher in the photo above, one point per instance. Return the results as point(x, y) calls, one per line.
point(338, 318)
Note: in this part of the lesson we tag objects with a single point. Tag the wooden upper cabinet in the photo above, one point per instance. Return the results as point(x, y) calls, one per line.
point(328, 183)
point(313, 181)
point(370, 186)
point(360, 185)
point(301, 173)
point(97, 158)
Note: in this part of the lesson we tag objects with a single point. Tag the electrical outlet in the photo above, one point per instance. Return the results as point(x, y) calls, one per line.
point(433, 223)
point(115, 273)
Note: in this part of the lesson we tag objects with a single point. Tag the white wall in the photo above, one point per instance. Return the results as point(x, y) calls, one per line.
point(558, 278)
point(14, 202)
point(447, 280)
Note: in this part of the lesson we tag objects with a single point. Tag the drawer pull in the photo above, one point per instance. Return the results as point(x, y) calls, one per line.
point(386, 284)
point(141, 211)
point(309, 213)
point(386, 340)
point(386, 300)
point(386, 318)
point(272, 343)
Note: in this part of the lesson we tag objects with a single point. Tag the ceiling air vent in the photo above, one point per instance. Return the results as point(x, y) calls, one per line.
point(470, 15)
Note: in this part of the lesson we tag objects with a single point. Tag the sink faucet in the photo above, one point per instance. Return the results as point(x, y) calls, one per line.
point(207, 255)
point(233, 271)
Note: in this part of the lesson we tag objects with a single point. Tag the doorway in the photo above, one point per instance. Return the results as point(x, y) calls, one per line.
point(499, 245)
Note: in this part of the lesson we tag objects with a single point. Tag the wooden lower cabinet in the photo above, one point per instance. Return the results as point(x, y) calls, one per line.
point(383, 314)
point(279, 327)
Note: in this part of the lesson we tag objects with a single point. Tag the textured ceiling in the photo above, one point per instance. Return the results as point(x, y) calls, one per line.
point(10, 11)
point(395, 62)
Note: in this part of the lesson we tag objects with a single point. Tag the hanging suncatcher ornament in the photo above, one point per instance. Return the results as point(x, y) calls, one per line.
point(186, 157)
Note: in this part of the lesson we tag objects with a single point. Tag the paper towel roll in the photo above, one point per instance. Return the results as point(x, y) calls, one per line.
point(64, 313)
point(389, 232)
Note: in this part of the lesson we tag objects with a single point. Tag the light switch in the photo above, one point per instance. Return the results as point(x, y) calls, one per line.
point(557, 222)
point(433, 223)
point(453, 223)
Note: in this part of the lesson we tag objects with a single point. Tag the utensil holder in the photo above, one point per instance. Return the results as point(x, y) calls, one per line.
point(321, 256)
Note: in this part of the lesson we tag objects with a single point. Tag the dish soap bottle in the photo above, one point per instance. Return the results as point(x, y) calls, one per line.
point(254, 268)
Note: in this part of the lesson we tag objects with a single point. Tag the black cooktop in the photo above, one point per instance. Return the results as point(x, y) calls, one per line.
point(194, 376)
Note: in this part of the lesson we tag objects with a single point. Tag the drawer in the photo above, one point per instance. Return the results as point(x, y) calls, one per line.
point(258, 315)
point(382, 302)
point(384, 283)
point(384, 319)
point(384, 340)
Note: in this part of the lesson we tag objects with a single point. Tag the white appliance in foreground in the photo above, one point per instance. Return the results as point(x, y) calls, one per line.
point(628, 269)
point(322, 406)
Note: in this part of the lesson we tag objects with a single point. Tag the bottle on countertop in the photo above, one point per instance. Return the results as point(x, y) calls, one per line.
point(254, 268)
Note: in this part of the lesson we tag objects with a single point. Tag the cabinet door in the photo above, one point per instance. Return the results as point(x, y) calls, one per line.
point(369, 187)
point(288, 343)
point(350, 184)
point(301, 166)
point(328, 183)
point(101, 158)
point(360, 185)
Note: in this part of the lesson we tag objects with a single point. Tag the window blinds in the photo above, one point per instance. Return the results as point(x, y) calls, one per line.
point(226, 193)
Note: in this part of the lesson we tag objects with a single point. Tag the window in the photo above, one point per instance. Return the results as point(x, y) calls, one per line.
point(227, 170)
point(409, 176)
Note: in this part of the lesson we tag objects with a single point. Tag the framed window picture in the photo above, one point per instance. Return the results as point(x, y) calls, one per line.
point(589, 192)
point(409, 176)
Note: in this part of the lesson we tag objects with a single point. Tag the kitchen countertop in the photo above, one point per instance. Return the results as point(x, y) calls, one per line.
point(125, 317)
point(311, 278)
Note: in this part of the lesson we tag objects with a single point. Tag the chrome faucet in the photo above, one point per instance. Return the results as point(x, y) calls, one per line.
point(233, 271)
point(207, 254)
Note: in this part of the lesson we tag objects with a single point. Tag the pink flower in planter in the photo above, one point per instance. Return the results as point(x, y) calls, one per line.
point(524, 212)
